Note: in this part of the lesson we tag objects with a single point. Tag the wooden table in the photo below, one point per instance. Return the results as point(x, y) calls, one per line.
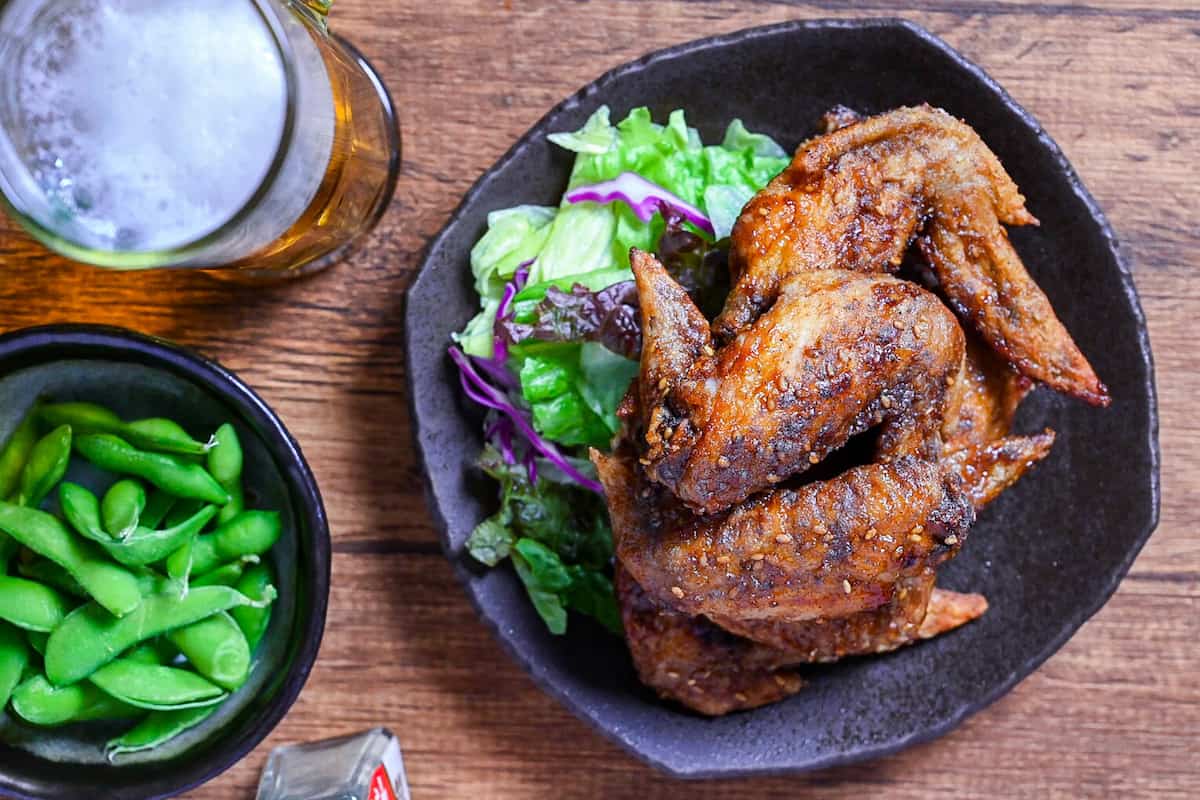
point(1116, 82)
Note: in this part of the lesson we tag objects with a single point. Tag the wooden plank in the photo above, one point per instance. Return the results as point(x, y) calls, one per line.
point(1116, 82)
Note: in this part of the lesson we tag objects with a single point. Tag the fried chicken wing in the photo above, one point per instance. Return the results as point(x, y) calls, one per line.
point(857, 197)
point(838, 353)
point(988, 469)
point(983, 399)
point(825, 549)
point(917, 611)
point(694, 662)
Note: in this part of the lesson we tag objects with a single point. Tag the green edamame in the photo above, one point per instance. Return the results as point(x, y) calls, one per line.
point(31, 605)
point(82, 510)
point(39, 702)
point(122, 507)
point(89, 637)
point(250, 533)
point(14, 658)
point(216, 648)
point(37, 640)
point(226, 574)
point(256, 584)
point(162, 435)
point(146, 546)
point(225, 463)
point(171, 474)
point(45, 468)
point(16, 453)
point(158, 505)
point(158, 728)
point(154, 686)
point(114, 587)
point(43, 570)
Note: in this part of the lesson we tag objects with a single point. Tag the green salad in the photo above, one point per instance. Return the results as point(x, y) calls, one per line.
point(555, 344)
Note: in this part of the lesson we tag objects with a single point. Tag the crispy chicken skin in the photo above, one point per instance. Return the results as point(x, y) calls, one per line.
point(983, 399)
point(917, 611)
point(856, 199)
point(825, 549)
point(989, 468)
point(838, 353)
point(692, 661)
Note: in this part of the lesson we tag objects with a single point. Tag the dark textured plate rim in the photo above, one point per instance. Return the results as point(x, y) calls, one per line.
point(1070, 625)
point(38, 345)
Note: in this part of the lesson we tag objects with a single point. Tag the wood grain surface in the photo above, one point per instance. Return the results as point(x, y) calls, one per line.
point(1116, 712)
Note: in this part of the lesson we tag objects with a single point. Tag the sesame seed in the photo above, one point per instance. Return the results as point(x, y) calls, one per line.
point(784, 538)
point(645, 462)
point(916, 537)
point(662, 384)
point(951, 539)
point(846, 586)
point(723, 559)
point(675, 590)
point(813, 458)
point(772, 477)
point(757, 557)
point(870, 534)
point(722, 461)
point(703, 560)
point(918, 528)
point(741, 698)
point(672, 674)
point(668, 433)
point(708, 351)
point(691, 681)
point(885, 401)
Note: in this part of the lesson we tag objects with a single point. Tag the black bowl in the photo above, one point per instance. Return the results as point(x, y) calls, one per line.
point(138, 376)
point(1047, 554)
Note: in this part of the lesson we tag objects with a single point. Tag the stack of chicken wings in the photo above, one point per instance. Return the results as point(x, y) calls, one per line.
point(734, 566)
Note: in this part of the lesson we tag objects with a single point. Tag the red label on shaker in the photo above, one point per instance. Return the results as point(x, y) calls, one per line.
point(381, 785)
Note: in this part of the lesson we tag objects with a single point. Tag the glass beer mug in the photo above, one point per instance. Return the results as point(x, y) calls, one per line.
point(191, 133)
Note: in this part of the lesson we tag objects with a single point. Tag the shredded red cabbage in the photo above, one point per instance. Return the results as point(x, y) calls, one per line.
point(641, 195)
point(488, 396)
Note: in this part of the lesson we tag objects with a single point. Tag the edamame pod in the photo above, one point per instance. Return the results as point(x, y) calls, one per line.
point(256, 584)
point(164, 435)
point(38, 701)
point(226, 574)
point(167, 472)
point(37, 640)
point(146, 546)
point(43, 570)
point(155, 687)
point(158, 728)
point(149, 434)
point(114, 587)
point(216, 648)
point(158, 505)
point(249, 533)
point(225, 463)
point(31, 605)
point(89, 637)
point(82, 510)
point(46, 466)
point(122, 507)
point(16, 453)
point(14, 658)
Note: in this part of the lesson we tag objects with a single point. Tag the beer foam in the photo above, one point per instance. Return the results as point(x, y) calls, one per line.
point(149, 124)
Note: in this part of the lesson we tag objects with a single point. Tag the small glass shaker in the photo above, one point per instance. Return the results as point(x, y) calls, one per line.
point(364, 766)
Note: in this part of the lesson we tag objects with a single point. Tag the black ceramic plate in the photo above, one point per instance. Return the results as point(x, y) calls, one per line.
point(1047, 554)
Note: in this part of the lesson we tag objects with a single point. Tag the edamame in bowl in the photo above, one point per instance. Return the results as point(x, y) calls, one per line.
point(166, 568)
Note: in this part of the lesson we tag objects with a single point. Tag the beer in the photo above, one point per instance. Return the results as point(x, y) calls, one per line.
point(206, 133)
